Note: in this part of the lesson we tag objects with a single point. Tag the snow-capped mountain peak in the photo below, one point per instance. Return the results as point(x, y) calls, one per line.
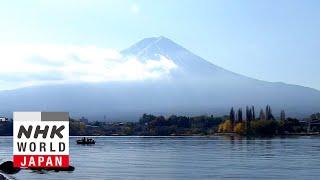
point(155, 47)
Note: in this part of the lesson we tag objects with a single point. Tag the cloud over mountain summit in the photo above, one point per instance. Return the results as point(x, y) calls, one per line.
point(27, 65)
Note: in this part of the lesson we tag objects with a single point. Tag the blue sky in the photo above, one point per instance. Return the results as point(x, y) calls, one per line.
point(270, 40)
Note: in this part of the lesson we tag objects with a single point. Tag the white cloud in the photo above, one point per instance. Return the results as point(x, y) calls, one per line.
point(27, 65)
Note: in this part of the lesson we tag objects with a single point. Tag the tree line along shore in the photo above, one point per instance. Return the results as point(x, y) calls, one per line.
point(244, 123)
point(239, 122)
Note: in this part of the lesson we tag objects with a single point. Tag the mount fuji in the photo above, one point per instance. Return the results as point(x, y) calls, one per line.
point(194, 87)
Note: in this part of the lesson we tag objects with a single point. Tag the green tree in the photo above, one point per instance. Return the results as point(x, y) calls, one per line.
point(253, 113)
point(240, 115)
point(249, 118)
point(232, 117)
point(282, 116)
point(269, 115)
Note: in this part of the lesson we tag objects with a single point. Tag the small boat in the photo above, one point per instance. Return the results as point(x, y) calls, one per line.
point(86, 141)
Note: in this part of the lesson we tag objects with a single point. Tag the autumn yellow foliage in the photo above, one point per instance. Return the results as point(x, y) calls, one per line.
point(240, 128)
point(225, 127)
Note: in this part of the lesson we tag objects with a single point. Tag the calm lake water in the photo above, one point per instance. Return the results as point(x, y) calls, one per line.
point(185, 158)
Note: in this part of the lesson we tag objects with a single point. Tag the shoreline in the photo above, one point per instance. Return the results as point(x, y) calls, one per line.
point(212, 135)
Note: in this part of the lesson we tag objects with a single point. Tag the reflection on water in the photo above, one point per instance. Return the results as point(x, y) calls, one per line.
point(186, 158)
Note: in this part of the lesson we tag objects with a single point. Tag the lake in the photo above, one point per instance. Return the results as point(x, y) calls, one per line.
point(185, 158)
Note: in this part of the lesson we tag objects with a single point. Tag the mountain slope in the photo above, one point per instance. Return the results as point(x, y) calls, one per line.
point(194, 87)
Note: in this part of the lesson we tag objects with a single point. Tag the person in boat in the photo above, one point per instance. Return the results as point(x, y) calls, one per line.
point(89, 140)
point(86, 141)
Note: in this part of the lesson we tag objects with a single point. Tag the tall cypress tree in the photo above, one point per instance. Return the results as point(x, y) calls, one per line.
point(253, 113)
point(247, 113)
point(232, 117)
point(240, 115)
point(269, 115)
point(248, 119)
point(267, 112)
point(282, 116)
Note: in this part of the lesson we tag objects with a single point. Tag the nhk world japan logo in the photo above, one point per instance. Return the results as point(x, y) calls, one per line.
point(40, 139)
